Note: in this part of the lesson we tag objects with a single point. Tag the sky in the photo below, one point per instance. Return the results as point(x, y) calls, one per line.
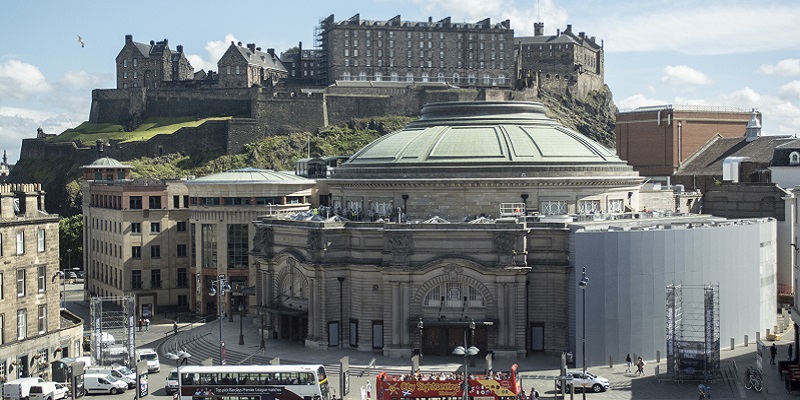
point(735, 53)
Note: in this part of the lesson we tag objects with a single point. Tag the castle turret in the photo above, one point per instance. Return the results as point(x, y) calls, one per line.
point(538, 29)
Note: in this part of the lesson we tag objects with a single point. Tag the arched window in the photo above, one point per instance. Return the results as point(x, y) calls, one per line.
point(794, 158)
point(425, 77)
point(440, 77)
point(362, 76)
point(378, 77)
point(346, 76)
point(394, 77)
point(410, 77)
point(456, 79)
point(454, 294)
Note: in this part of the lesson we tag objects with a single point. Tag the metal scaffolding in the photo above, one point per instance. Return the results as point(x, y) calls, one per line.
point(112, 330)
point(693, 347)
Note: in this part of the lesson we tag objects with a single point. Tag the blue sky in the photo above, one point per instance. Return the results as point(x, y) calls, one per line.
point(729, 53)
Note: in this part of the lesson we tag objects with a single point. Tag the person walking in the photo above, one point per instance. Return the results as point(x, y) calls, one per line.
point(140, 324)
point(772, 352)
point(147, 324)
point(628, 362)
point(640, 366)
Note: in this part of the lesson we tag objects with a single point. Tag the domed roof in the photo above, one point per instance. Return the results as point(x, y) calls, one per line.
point(250, 175)
point(489, 139)
point(108, 162)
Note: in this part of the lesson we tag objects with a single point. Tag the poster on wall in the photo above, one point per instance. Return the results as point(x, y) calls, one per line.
point(147, 310)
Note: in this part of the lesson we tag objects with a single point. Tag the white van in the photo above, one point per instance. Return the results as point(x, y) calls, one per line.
point(103, 383)
point(151, 357)
point(120, 372)
point(19, 389)
point(49, 391)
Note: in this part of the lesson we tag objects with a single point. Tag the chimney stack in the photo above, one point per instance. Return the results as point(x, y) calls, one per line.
point(128, 39)
point(179, 48)
point(252, 47)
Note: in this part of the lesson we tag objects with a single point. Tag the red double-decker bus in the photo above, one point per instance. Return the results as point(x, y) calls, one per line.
point(496, 386)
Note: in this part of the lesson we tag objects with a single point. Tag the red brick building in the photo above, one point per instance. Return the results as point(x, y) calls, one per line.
point(655, 140)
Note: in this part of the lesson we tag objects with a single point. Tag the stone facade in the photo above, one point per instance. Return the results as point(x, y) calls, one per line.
point(33, 332)
point(136, 238)
point(246, 66)
point(461, 54)
point(140, 65)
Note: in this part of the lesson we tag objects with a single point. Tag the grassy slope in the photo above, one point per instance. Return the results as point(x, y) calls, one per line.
point(87, 133)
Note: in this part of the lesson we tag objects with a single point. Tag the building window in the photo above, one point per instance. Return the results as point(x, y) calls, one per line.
point(3, 334)
point(588, 206)
point(42, 318)
point(208, 249)
point(155, 251)
point(40, 240)
point(20, 243)
point(41, 278)
point(136, 279)
point(182, 250)
point(155, 227)
point(135, 202)
point(453, 294)
point(136, 252)
point(136, 227)
point(154, 202)
point(155, 278)
point(2, 284)
point(354, 333)
point(553, 207)
point(22, 324)
point(794, 158)
point(183, 278)
point(615, 205)
point(237, 246)
point(20, 283)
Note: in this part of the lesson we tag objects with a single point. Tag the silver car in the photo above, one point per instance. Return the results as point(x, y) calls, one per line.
point(579, 381)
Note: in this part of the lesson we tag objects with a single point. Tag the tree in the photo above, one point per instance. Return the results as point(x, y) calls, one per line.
point(70, 237)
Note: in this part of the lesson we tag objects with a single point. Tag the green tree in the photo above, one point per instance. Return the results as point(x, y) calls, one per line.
point(70, 241)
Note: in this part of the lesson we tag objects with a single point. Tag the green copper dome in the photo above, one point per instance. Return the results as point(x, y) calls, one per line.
point(488, 139)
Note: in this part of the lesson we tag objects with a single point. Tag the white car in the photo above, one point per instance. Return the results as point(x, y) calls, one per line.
point(590, 381)
point(172, 382)
point(151, 357)
point(49, 391)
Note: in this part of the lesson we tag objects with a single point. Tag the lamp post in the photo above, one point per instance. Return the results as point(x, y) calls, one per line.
point(420, 325)
point(582, 284)
point(179, 356)
point(471, 351)
point(63, 276)
point(222, 283)
point(241, 318)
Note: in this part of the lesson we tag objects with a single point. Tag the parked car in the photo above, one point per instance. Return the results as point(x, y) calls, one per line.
point(120, 372)
point(151, 357)
point(103, 383)
point(172, 382)
point(49, 391)
point(19, 389)
point(579, 381)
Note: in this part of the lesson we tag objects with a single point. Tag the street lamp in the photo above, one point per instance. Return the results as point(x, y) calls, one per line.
point(582, 284)
point(420, 325)
point(179, 356)
point(224, 287)
point(241, 318)
point(471, 351)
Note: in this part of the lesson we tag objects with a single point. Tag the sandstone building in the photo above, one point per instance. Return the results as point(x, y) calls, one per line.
point(246, 66)
point(147, 66)
point(33, 331)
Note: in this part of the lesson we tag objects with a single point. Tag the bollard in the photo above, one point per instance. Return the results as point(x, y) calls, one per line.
point(610, 362)
point(732, 343)
point(758, 337)
point(745, 340)
point(658, 356)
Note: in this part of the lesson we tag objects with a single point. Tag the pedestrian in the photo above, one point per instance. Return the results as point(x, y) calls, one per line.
point(534, 394)
point(772, 352)
point(146, 324)
point(175, 327)
point(628, 362)
point(790, 353)
point(640, 366)
point(140, 324)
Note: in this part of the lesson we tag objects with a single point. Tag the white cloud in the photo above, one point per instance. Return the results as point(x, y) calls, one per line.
point(214, 49)
point(83, 79)
point(521, 14)
point(787, 67)
point(790, 90)
point(638, 100)
point(684, 75)
point(20, 80)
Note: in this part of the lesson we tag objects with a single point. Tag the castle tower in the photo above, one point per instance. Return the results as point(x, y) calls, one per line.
point(538, 29)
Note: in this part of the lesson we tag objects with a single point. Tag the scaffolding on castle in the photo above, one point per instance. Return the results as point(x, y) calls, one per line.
point(693, 346)
point(113, 339)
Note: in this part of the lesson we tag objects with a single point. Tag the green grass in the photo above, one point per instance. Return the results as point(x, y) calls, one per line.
point(87, 133)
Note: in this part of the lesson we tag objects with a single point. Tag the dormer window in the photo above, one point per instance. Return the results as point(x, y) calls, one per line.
point(794, 158)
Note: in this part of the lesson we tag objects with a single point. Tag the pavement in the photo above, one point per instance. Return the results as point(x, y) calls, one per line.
point(201, 340)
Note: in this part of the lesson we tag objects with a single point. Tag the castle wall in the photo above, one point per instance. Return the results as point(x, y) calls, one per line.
point(200, 103)
point(208, 136)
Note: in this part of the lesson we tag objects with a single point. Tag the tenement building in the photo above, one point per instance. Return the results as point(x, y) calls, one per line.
point(477, 54)
point(499, 209)
point(33, 332)
point(135, 238)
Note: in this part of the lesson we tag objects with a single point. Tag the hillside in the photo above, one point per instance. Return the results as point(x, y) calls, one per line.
point(61, 178)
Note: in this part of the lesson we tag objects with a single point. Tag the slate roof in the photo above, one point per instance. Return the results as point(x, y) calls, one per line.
point(565, 37)
point(780, 158)
point(251, 176)
point(261, 59)
point(707, 161)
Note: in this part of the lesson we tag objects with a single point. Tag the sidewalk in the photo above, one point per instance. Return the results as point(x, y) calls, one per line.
point(202, 341)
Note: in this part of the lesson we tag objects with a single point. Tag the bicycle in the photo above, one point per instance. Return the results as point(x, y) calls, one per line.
point(752, 379)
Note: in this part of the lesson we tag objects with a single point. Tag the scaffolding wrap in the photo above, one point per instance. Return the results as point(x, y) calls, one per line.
point(112, 326)
point(693, 347)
